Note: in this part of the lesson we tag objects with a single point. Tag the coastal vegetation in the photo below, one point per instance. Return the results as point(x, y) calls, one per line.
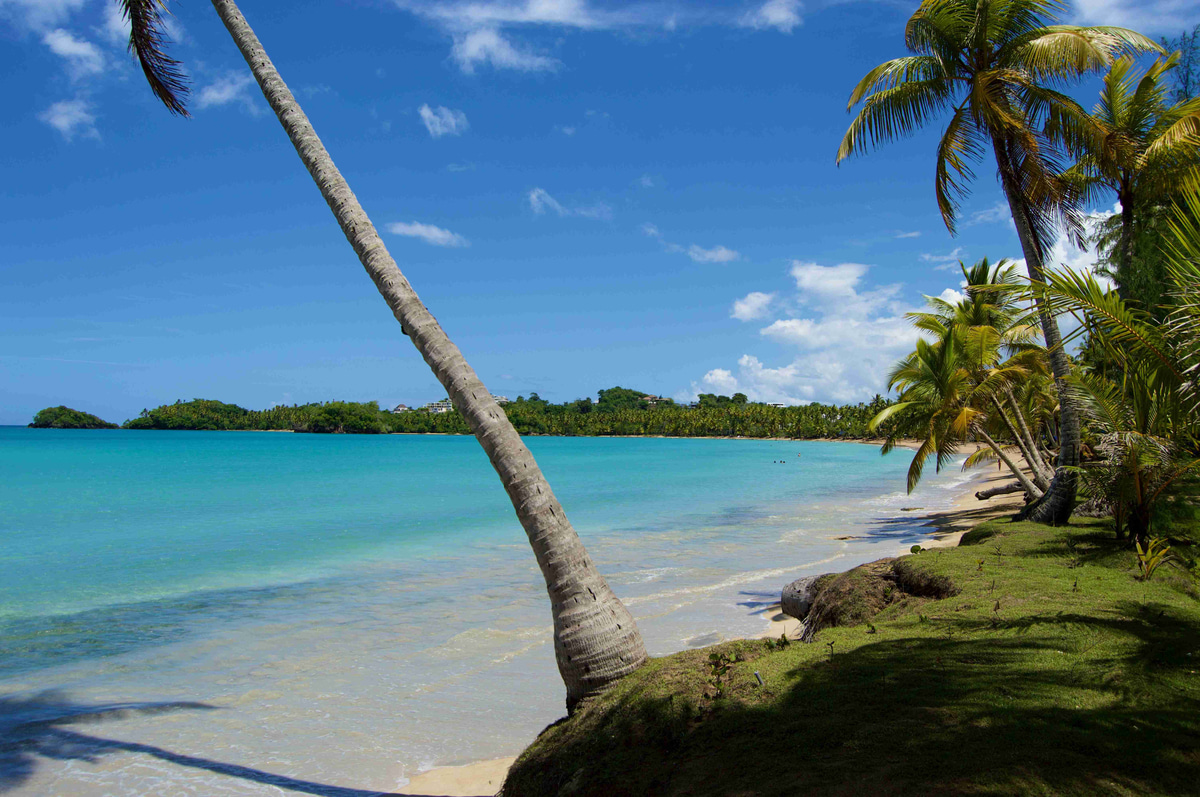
point(61, 417)
point(994, 66)
point(620, 411)
point(1052, 668)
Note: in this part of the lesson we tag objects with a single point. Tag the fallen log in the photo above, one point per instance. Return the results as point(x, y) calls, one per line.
point(1004, 489)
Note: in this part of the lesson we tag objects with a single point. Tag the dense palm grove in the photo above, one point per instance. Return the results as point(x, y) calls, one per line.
point(718, 416)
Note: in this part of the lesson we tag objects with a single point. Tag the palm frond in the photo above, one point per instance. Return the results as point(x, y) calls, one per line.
point(148, 41)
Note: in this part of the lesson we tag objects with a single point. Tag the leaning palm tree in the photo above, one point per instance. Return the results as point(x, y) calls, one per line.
point(596, 641)
point(1138, 145)
point(993, 65)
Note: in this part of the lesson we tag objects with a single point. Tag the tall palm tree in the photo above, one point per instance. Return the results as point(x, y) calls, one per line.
point(596, 641)
point(992, 65)
point(1138, 145)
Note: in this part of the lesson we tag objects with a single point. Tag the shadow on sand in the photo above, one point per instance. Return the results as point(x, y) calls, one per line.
point(33, 728)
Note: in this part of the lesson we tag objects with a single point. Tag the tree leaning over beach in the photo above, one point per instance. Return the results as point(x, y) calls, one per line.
point(596, 641)
point(993, 65)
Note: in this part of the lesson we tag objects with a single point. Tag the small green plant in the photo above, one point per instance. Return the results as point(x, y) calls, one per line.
point(1156, 552)
point(979, 569)
point(916, 549)
point(719, 665)
point(777, 644)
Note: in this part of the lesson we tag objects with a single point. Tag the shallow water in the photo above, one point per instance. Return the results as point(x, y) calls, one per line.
point(214, 613)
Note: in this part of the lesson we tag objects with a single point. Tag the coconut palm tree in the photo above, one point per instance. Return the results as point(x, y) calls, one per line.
point(995, 334)
point(596, 641)
point(1148, 420)
point(1139, 146)
point(992, 65)
point(960, 386)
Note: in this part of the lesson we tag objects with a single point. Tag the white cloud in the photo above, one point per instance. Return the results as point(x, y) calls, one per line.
point(566, 130)
point(646, 181)
point(782, 15)
point(721, 380)
point(116, 26)
point(718, 254)
point(541, 201)
point(481, 29)
point(751, 306)
point(233, 87)
point(952, 296)
point(443, 121)
point(71, 118)
point(428, 233)
point(1148, 16)
point(950, 258)
point(83, 58)
point(846, 340)
point(997, 213)
point(39, 14)
point(486, 46)
point(908, 234)
point(836, 280)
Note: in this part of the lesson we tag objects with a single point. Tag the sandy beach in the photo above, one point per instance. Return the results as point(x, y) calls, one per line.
point(484, 778)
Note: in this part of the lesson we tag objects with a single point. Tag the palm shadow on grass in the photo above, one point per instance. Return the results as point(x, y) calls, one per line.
point(33, 728)
point(918, 715)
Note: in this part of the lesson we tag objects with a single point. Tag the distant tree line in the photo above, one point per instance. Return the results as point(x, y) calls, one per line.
point(619, 411)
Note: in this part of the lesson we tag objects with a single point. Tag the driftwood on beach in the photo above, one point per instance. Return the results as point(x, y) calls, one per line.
point(1004, 489)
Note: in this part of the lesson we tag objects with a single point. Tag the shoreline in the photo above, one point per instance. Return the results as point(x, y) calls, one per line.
point(483, 778)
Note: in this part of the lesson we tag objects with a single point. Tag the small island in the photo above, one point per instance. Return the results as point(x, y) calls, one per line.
point(61, 417)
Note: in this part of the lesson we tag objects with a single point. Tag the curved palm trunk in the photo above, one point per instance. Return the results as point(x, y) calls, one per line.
point(1039, 478)
point(1026, 484)
point(596, 640)
point(1039, 463)
point(1055, 506)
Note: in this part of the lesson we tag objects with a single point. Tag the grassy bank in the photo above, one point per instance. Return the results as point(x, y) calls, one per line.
point(1053, 670)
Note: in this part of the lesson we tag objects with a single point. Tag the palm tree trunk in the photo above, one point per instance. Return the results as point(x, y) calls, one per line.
point(1029, 487)
point(596, 640)
point(1125, 246)
point(1039, 478)
point(1038, 464)
point(1059, 500)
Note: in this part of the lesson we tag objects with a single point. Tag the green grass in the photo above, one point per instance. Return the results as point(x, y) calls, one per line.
point(1053, 671)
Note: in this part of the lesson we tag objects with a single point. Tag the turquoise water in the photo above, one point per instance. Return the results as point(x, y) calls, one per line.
point(360, 607)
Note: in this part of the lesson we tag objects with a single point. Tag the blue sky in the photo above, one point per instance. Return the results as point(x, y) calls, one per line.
point(585, 194)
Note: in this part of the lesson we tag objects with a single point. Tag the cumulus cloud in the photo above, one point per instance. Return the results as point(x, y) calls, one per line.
point(233, 87)
point(540, 201)
point(836, 280)
point(71, 118)
point(443, 121)
point(846, 338)
point(428, 233)
point(782, 15)
point(751, 306)
point(83, 58)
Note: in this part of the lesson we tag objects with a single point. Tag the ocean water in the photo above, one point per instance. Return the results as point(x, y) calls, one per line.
point(215, 613)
